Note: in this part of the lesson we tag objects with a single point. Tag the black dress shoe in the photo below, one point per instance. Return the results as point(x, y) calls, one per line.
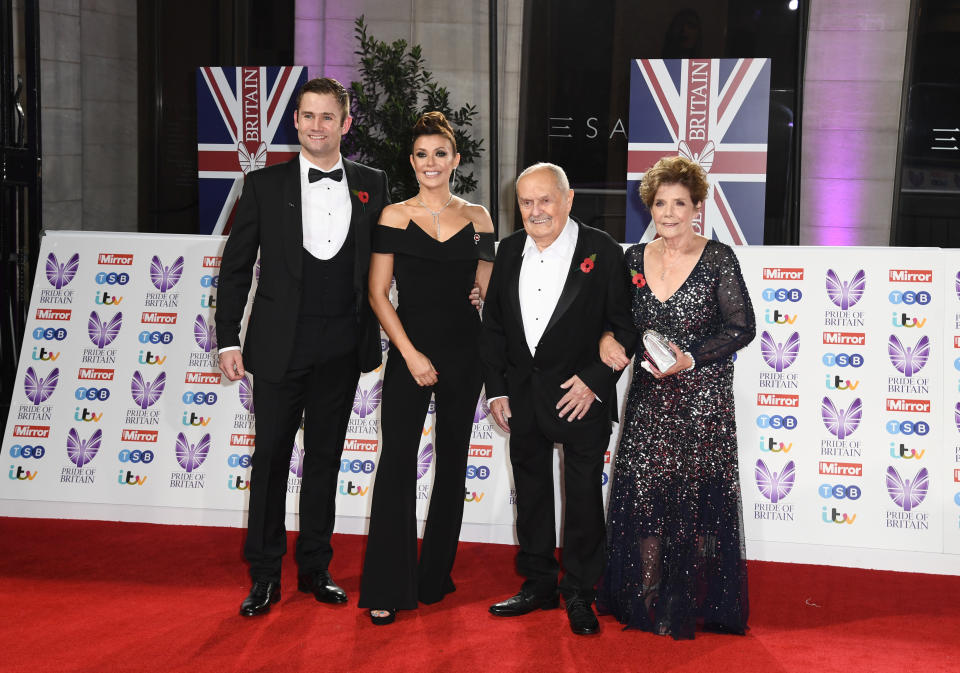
point(261, 596)
point(582, 620)
point(525, 602)
point(322, 586)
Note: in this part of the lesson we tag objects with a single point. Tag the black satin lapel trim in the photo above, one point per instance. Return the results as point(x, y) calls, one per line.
point(574, 283)
point(361, 234)
point(293, 219)
point(513, 285)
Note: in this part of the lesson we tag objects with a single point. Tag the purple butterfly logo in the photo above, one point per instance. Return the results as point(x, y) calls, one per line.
point(246, 394)
point(39, 390)
point(60, 275)
point(296, 461)
point(205, 335)
point(908, 361)
point(779, 356)
point(775, 486)
point(165, 277)
point(956, 416)
point(146, 394)
point(423, 460)
point(81, 452)
point(483, 409)
point(191, 456)
point(905, 493)
point(102, 334)
point(846, 295)
point(841, 423)
point(366, 401)
point(956, 285)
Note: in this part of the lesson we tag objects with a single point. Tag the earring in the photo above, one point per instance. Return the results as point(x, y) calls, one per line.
point(453, 180)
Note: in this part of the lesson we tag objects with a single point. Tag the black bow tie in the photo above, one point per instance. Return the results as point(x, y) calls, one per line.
point(313, 175)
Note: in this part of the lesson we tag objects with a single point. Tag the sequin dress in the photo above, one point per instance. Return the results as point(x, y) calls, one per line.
point(675, 552)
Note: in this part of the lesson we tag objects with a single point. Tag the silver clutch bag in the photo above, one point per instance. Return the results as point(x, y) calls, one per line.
point(657, 350)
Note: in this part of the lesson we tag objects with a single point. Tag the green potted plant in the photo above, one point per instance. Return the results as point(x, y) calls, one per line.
point(393, 92)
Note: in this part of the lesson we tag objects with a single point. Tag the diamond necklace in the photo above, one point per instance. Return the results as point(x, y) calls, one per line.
point(435, 214)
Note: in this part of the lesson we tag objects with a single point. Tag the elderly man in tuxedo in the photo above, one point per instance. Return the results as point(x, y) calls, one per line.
point(311, 332)
point(557, 286)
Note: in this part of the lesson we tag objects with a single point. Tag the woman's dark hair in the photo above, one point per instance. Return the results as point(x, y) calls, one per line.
point(433, 124)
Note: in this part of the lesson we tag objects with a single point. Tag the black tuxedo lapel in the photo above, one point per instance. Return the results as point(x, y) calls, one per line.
point(513, 284)
point(292, 220)
point(361, 234)
point(575, 279)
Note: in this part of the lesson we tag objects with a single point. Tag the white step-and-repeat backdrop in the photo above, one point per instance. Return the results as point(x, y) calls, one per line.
point(848, 404)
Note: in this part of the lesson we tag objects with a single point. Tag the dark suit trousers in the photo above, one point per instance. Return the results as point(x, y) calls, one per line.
point(321, 387)
point(584, 533)
point(392, 578)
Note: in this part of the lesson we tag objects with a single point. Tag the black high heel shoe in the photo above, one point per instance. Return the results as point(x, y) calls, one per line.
point(381, 617)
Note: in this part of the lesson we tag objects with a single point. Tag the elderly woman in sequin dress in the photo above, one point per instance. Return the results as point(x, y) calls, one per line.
point(675, 554)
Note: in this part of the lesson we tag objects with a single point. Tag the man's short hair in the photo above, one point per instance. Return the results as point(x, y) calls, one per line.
point(563, 184)
point(327, 85)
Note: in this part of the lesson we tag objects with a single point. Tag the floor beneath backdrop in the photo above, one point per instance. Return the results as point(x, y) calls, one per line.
point(96, 596)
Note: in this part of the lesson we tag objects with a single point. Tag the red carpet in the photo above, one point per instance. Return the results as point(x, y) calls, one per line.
point(94, 596)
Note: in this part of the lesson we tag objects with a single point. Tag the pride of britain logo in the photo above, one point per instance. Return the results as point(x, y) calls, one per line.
point(845, 295)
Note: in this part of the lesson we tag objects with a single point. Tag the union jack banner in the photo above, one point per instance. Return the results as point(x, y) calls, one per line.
point(244, 122)
point(715, 112)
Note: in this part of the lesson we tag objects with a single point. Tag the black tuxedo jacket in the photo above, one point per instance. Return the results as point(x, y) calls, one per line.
point(269, 219)
point(591, 302)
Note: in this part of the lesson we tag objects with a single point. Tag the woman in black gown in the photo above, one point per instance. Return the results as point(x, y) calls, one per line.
point(438, 247)
point(675, 552)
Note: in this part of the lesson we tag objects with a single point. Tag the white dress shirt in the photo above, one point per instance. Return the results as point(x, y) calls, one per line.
point(326, 211)
point(542, 276)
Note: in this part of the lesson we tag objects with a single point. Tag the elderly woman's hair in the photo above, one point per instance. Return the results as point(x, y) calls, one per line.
point(563, 184)
point(674, 171)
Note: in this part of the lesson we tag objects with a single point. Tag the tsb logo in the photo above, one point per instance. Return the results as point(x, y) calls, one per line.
point(238, 460)
point(209, 281)
point(50, 334)
point(777, 422)
point(18, 451)
point(909, 297)
point(136, 456)
point(155, 337)
point(112, 278)
point(357, 466)
point(842, 360)
point(477, 471)
point(920, 428)
point(840, 492)
point(782, 294)
point(191, 397)
point(92, 394)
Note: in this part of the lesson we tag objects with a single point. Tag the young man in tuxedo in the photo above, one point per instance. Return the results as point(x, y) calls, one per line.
point(311, 332)
point(556, 287)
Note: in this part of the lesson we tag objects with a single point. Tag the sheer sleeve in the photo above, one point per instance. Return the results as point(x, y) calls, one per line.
point(737, 321)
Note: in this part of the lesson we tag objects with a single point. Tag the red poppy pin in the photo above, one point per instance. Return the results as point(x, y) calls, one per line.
point(476, 239)
point(588, 263)
point(362, 197)
point(638, 278)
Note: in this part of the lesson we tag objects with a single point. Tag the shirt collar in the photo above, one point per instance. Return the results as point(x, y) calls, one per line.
point(306, 165)
point(563, 245)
